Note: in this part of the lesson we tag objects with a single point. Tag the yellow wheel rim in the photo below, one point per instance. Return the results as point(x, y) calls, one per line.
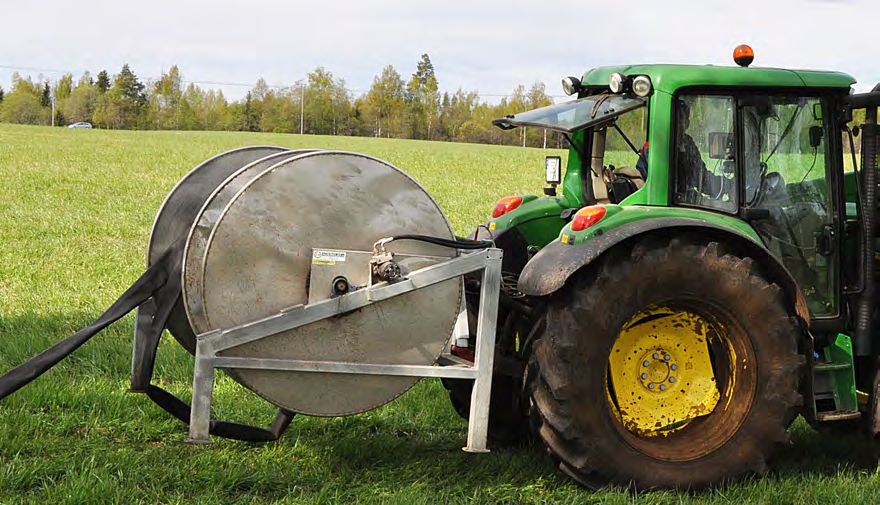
point(661, 371)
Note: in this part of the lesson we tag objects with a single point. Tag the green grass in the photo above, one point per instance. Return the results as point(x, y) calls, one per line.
point(75, 215)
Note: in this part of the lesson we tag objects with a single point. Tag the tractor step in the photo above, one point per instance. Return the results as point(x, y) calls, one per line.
point(834, 385)
point(831, 367)
point(838, 416)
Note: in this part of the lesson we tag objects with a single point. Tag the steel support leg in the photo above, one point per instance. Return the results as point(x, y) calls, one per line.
point(203, 389)
point(478, 420)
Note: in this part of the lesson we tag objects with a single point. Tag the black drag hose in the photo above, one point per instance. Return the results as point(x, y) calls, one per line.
point(148, 283)
point(225, 429)
point(162, 282)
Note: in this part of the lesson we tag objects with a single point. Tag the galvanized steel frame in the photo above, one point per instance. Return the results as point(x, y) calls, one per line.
point(209, 344)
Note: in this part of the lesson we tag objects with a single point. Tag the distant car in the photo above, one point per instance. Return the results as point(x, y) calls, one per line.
point(81, 124)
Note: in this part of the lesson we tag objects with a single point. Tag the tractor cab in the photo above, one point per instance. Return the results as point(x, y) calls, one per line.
point(761, 146)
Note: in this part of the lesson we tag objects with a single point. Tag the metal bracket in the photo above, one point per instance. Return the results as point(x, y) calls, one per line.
point(211, 343)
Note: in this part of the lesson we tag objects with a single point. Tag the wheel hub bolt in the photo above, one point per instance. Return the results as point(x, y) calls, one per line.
point(662, 387)
point(645, 363)
point(655, 356)
point(672, 379)
point(674, 367)
point(644, 376)
point(650, 385)
point(667, 357)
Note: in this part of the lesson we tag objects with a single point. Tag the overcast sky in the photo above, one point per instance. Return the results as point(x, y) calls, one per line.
point(488, 46)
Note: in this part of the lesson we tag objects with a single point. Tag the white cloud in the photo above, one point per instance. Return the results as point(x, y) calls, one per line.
point(490, 46)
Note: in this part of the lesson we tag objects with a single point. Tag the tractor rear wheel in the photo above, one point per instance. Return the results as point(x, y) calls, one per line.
point(672, 366)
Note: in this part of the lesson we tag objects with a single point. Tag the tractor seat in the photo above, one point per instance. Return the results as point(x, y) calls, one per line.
point(624, 181)
point(631, 174)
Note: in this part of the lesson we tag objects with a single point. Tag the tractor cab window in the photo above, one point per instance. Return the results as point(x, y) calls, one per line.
point(703, 152)
point(625, 165)
point(784, 168)
point(576, 115)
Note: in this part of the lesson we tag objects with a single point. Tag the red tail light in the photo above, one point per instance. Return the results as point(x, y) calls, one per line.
point(505, 205)
point(586, 217)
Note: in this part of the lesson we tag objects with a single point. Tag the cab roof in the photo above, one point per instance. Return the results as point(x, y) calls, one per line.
point(669, 78)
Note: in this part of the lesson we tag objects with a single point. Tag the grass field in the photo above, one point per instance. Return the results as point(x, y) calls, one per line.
point(75, 214)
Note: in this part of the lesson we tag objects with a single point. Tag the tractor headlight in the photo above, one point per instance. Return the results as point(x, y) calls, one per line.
point(571, 85)
point(617, 83)
point(642, 85)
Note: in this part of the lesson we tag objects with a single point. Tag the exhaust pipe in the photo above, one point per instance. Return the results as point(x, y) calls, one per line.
point(864, 315)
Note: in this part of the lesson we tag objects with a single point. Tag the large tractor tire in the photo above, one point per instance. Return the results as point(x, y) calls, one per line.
point(670, 365)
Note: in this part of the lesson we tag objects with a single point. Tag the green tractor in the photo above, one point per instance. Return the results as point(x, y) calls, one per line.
point(705, 275)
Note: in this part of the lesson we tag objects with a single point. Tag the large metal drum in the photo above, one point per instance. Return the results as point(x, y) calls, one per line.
point(248, 255)
point(179, 212)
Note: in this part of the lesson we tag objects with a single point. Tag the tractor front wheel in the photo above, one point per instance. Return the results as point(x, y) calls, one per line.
point(670, 366)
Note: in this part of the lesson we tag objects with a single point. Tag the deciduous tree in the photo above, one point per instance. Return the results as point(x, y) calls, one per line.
point(80, 105)
point(384, 106)
point(22, 104)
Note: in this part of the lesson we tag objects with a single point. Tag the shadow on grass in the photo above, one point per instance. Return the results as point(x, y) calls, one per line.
point(415, 454)
point(360, 449)
point(416, 438)
point(826, 451)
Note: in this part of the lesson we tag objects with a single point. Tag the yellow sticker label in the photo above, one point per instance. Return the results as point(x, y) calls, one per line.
point(492, 226)
point(564, 238)
point(327, 257)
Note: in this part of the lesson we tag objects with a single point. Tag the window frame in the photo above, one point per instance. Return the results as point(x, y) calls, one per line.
point(831, 99)
point(673, 151)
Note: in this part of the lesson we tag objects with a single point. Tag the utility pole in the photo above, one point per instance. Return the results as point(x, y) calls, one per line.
point(302, 106)
point(524, 136)
point(53, 109)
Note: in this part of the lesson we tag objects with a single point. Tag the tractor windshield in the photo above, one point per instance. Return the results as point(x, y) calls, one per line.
point(576, 115)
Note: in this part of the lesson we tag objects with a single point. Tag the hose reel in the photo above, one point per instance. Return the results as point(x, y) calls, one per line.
point(269, 263)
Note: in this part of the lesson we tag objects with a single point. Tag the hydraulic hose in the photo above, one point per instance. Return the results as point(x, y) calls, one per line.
point(458, 243)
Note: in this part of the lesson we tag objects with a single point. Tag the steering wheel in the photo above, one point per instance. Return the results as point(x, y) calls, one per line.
point(772, 187)
point(773, 184)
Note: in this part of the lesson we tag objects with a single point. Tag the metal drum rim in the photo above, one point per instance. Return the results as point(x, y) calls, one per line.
point(207, 202)
point(183, 180)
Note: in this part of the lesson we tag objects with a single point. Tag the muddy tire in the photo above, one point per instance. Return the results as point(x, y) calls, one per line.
point(581, 394)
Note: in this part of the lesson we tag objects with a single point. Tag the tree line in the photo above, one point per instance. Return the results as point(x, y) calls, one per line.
point(320, 104)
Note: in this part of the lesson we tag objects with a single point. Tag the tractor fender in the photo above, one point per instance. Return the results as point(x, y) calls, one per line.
point(554, 264)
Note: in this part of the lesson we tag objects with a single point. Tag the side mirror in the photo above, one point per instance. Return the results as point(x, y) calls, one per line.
point(553, 169)
point(720, 146)
point(815, 136)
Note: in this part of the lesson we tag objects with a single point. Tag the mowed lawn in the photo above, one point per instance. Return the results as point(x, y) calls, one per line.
point(76, 209)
